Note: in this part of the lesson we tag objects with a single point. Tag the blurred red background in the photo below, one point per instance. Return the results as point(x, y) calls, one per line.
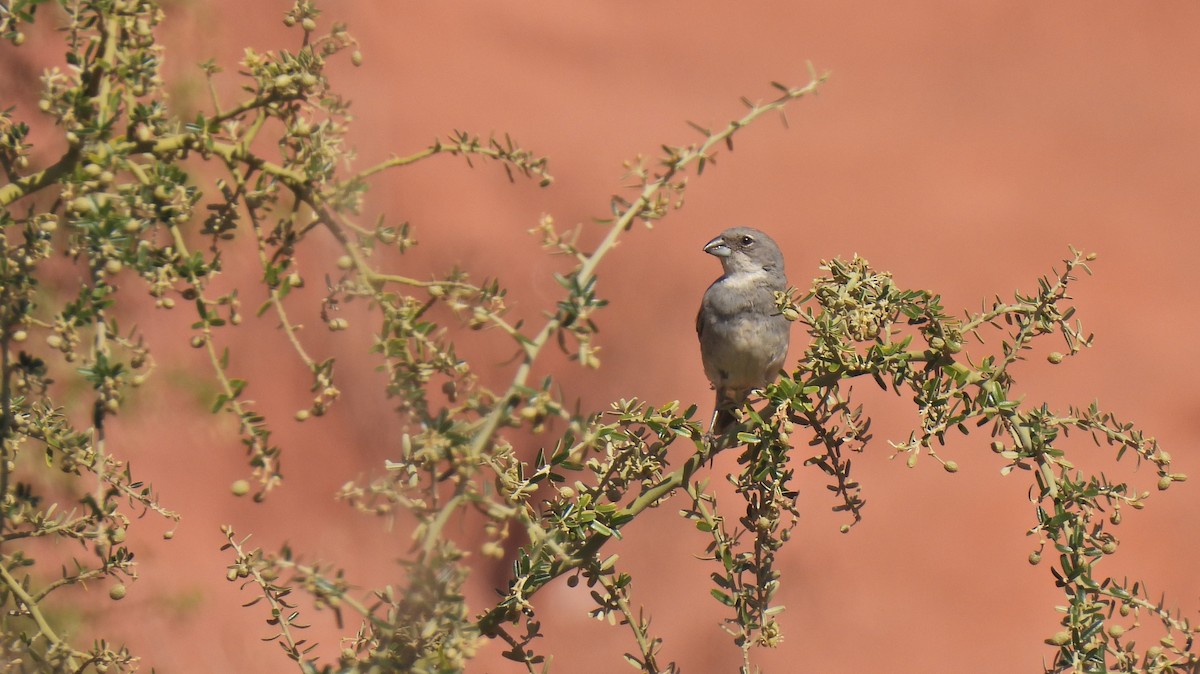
point(963, 146)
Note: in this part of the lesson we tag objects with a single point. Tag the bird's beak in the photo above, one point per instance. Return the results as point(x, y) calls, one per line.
point(718, 247)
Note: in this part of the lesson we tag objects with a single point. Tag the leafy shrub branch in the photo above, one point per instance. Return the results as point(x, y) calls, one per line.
point(143, 198)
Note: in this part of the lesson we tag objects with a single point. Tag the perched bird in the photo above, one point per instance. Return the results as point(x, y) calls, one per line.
point(743, 337)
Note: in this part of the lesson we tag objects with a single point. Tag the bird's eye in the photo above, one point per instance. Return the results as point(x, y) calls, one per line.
point(747, 240)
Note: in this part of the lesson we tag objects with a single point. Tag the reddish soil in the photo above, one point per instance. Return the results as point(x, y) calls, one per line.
point(963, 146)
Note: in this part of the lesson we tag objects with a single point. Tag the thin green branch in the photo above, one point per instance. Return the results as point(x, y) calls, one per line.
point(398, 161)
point(41, 179)
point(31, 607)
point(647, 645)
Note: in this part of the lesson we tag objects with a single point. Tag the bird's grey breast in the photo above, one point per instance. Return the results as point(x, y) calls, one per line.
point(742, 335)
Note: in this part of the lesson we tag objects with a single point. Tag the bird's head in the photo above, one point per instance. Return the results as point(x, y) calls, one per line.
point(746, 250)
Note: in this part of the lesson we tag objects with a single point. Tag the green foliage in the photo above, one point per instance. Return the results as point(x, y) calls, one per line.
point(132, 195)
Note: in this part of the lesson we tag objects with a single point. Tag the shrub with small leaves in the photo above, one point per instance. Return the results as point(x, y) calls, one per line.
point(137, 187)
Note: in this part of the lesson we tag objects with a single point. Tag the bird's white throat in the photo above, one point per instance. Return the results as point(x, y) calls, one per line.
point(745, 279)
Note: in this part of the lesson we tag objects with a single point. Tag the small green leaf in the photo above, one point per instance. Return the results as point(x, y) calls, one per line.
point(721, 597)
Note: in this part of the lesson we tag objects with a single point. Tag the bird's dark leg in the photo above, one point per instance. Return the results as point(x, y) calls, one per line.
point(725, 423)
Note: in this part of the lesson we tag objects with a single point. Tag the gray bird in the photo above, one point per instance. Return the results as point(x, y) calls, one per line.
point(743, 338)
